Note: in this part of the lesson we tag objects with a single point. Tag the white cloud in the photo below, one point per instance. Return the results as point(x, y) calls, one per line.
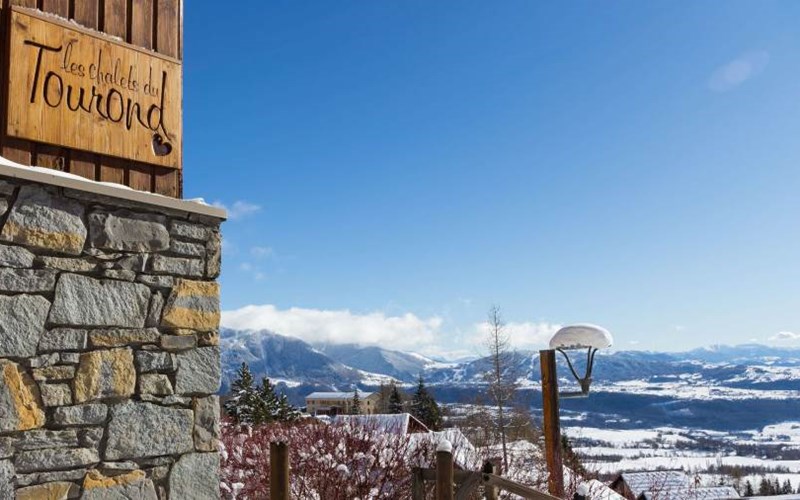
point(402, 332)
point(786, 336)
point(527, 335)
point(261, 252)
point(738, 71)
point(239, 209)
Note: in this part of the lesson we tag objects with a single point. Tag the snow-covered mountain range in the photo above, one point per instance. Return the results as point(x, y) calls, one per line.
point(720, 387)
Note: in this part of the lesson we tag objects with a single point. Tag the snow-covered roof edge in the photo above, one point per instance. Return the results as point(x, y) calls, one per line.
point(57, 178)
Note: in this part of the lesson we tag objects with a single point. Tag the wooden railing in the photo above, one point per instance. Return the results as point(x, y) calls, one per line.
point(459, 485)
point(450, 484)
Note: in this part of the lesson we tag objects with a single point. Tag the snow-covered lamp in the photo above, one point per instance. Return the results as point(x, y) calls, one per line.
point(581, 336)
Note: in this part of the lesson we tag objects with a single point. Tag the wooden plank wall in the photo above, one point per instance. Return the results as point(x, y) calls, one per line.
point(153, 24)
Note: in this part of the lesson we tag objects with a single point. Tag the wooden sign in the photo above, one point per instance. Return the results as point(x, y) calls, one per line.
point(79, 89)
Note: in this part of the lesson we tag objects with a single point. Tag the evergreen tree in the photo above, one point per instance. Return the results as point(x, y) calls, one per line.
point(382, 405)
point(424, 407)
point(241, 405)
point(787, 487)
point(395, 400)
point(355, 404)
point(748, 489)
point(266, 407)
point(764, 487)
point(257, 405)
point(287, 412)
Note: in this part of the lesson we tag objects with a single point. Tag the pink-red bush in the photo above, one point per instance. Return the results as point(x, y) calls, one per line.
point(327, 461)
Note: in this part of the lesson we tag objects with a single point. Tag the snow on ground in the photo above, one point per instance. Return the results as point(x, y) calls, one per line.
point(649, 449)
point(692, 387)
point(369, 378)
point(285, 381)
point(784, 432)
point(690, 463)
point(621, 438)
point(761, 374)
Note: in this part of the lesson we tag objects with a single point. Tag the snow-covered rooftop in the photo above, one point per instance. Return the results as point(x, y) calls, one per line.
point(339, 396)
point(657, 480)
point(704, 493)
point(390, 423)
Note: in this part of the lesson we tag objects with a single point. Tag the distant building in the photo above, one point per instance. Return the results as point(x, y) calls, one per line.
point(340, 403)
point(667, 485)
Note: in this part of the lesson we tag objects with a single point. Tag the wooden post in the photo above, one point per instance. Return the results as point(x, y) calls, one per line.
point(278, 471)
point(489, 491)
point(444, 471)
point(551, 423)
point(417, 485)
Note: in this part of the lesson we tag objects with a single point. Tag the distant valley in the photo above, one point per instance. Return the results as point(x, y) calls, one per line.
point(722, 388)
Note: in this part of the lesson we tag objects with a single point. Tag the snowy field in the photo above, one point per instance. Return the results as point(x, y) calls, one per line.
point(608, 451)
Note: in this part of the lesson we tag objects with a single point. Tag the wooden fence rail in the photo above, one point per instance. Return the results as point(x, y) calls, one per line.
point(450, 484)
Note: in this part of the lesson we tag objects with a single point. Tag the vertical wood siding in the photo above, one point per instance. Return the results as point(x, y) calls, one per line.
point(153, 24)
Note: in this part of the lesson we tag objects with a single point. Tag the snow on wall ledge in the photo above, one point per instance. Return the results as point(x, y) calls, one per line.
point(109, 357)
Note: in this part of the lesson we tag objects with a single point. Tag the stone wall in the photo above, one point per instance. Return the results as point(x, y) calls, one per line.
point(109, 357)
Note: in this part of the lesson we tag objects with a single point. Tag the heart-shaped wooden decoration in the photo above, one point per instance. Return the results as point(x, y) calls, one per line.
point(160, 146)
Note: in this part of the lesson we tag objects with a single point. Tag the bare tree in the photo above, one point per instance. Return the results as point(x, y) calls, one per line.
point(501, 377)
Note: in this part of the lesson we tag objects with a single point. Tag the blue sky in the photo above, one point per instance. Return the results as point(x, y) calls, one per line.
point(395, 168)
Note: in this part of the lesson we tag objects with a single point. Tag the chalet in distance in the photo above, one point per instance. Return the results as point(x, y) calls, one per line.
point(341, 403)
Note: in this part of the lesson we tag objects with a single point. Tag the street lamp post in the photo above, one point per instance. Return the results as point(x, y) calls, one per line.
point(582, 336)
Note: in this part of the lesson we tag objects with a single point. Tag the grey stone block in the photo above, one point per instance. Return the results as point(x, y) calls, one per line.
point(128, 231)
point(177, 266)
point(154, 310)
point(40, 438)
point(69, 358)
point(131, 433)
point(84, 301)
point(91, 437)
point(22, 325)
point(6, 479)
point(41, 220)
point(89, 414)
point(206, 423)
point(198, 371)
point(11, 256)
point(55, 394)
point(213, 255)
point(189, 231)
point(178, 342)
point(156, 281)
point(7, 446)
point(187, 248)
point(156, 384)
point(155, 361)
point(195, 476)
point(54, 459)
point(43, 360)
point(47, 477)
point(27, 280)
point(63, 339)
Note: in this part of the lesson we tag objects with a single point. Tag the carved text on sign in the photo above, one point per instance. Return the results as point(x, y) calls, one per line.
point(84, 91)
